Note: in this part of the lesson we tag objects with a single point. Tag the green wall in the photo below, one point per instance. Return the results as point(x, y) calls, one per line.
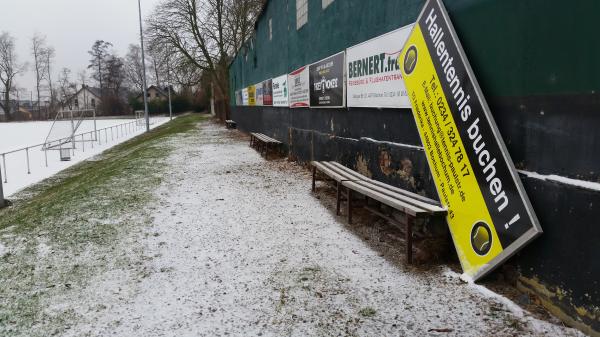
point(516, 47)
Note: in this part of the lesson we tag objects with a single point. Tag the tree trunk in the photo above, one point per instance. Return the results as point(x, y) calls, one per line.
point(7, 104)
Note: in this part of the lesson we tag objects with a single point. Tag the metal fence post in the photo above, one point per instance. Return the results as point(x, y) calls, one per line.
point(2, 202)
point(27, 154)
point(4, 165)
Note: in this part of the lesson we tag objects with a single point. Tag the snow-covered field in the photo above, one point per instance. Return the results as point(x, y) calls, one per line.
point(18, 135)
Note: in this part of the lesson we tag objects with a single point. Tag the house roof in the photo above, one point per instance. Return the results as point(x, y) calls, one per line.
point(160, 91)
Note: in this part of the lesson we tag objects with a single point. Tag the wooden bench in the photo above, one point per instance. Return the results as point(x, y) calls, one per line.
point(230, 124)
point(333, 173)
point(412, 205)
point(264, 143)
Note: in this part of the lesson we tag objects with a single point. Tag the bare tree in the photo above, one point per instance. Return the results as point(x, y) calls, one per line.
point(113, 101)
point(83, 77)
point(239, 20)
point(9, 68)
point(40, 64)
point(99, 53)
point(67, 88)
point(114, 75)
point(204, 32)
point(134, 70)
point(48, 54)
point(184, 74)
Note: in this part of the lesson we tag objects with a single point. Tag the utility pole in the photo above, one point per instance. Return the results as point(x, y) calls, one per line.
point(144, 69)
point(169, 89)
point(2, 201)
point(212, 98)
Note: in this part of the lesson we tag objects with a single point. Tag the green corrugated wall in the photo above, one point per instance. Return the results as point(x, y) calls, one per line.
point(516, 47)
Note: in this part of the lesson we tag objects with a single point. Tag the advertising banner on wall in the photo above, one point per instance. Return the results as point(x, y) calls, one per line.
point(251, 95)
point(489, 214)
point(374, 77)
point(280, 91)
point(267, 92)
point(259, 93)
point(299, 85)
point(245, 97)
point(238, 98)
point(327, 89)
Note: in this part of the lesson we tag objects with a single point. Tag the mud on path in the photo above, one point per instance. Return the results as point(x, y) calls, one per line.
point(233, 245)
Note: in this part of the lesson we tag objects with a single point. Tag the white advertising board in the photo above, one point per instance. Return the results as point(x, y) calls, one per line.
point(259, 94)
point(245, 96)
point(299, 84)
point(280, 91)
point(374, 77)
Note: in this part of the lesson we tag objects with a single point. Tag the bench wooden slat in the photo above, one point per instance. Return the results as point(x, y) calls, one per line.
point(386, 199)
point(341, 168)
point(431, 209)
point(332, 173)
point(393, 188)
point(264, 138)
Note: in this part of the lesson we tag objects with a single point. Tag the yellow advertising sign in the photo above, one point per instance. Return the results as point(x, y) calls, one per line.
point(252, 95)
point(489, 214)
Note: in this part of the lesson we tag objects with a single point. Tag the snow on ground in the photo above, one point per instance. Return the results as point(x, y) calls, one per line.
point(19, 135)
point(239, 246)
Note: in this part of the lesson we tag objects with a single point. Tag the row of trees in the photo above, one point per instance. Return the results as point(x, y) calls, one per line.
point(115, 77)
point(190, 44)
point(9, 69)
point(203, 35)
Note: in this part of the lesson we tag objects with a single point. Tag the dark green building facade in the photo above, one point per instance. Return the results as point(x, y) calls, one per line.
point(538, 64)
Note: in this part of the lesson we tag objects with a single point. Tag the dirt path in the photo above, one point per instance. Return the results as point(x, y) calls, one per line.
point(238, 246)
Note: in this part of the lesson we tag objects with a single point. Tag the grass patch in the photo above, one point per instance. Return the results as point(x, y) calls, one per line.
point(367, 312)
point(72, 187)
point(60, 233)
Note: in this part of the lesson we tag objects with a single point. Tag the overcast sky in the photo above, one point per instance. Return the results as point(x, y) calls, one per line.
point(71, 27)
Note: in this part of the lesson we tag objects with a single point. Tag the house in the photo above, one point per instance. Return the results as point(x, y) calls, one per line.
point(85, 98)
point(19, 110)
point(155, 93)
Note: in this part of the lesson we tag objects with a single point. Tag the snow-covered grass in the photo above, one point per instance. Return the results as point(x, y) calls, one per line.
point(189, 232)
point(19, 135)
point(62, 232)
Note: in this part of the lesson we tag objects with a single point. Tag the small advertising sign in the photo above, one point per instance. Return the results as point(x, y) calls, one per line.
point(327, 89)
point(238, 98)
point(259, 93)
point(299, 85)
point(267, 92)
point(245, 97)
point(280, 91)
point(251, 95)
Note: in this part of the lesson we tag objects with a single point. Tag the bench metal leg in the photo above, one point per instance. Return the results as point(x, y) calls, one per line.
point(314, 174)
point(339, 197)
point(409, 238)
point(349, 201)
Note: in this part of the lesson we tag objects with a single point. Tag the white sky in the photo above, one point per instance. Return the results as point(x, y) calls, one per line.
point(71, 27)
